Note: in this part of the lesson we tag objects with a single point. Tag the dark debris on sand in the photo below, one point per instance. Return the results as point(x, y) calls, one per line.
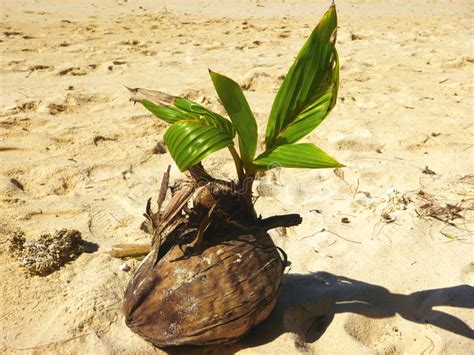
point(48, 253)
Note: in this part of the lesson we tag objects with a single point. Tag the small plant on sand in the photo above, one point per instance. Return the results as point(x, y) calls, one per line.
point(213, 272)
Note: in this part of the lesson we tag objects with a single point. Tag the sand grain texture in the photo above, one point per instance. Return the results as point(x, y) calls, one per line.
point(372, 270)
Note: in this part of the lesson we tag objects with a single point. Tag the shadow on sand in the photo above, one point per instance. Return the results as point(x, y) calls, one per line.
point(308, 303)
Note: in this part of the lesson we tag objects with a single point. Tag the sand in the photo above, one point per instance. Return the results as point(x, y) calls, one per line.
point(377, 265)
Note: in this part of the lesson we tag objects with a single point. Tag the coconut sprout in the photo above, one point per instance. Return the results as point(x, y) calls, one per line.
point(213, 272)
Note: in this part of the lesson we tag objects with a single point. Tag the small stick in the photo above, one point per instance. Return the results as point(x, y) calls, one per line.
point(340, 236)
point(121, 251)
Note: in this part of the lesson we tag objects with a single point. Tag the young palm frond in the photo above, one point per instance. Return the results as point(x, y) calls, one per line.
point(213, 272)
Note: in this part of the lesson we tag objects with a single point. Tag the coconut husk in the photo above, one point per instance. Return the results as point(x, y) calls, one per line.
point(214, 297)
point(213, 272)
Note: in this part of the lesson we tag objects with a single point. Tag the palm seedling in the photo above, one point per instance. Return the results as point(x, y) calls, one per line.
point(213, 272)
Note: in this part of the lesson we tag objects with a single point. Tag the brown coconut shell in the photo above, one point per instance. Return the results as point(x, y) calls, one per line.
point(215, 296)
point(213, 272)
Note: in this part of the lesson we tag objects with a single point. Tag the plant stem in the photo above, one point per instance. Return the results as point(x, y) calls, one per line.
point(247, 193)
point(245, 180)
point(238, 164)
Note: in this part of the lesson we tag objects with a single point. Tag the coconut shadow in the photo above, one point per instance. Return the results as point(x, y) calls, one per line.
point(308, 303)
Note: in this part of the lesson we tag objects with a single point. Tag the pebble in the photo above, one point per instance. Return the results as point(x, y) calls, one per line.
point(124, 267)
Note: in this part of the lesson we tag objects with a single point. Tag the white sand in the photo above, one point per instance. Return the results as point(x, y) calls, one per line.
point(405, 103)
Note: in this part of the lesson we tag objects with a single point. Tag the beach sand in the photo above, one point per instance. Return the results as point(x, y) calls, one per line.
point(380, 264)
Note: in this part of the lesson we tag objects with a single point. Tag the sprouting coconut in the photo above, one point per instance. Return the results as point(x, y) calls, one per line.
point(213, 272)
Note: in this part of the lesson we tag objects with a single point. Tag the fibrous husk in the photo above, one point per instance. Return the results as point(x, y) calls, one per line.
point(213, 273)
point(214, 297)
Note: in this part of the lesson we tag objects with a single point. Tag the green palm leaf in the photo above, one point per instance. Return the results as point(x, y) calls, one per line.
point(238, 109)
point(189, 142)
point(168, 114)
point(304, 155)
point(201, 112)
point(196, 131)
point(312, 115)
point(172, 109)
point(309, 90)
